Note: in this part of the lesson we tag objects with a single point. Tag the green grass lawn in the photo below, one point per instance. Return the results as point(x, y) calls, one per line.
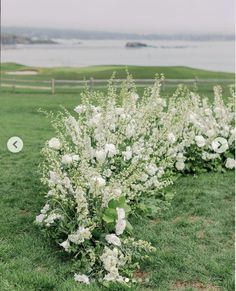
point(194, 239)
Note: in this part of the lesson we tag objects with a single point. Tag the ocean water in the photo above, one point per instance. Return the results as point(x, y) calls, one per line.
point(216, 56)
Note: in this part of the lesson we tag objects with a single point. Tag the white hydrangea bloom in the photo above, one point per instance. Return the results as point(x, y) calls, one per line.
point(81, 279)
point(54, 143)
point(180, 165)
point(230, 163)
point(200, 141)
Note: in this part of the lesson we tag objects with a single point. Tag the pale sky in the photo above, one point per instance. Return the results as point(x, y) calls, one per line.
point(138, 16)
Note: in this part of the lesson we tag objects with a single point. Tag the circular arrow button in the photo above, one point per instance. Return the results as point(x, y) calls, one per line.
point(15, 144)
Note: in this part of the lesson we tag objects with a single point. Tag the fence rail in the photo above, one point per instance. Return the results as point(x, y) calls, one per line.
point(52, 85)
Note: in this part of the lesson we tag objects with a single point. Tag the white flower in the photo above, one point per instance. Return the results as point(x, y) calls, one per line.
point(66, 182)
point(171, 138)
point(80, 109)
point(110, 150)
point(95, 120)
point(143, 177)
point(120, 226)
point(45, 208)
point(97, 181)
point(75, 158)
point(219, 145)
point(230, 163)
point(119, 110)
point(54, 143)
point(120, 213)
point(208, 111)
point(54, 178)
point(180, 166)
point(151, 169)
point(130, 130)
point(127, 154)
point(81, 278)
point(120, 222)
point(200, 141)
point(67, 160)
point(65, 244)
point(40, 218)
point(210, 132)
point(134, 97)
point(113, 239)
point(100, 155)
point(51, 218)
point(80, 235)
point(114, 276)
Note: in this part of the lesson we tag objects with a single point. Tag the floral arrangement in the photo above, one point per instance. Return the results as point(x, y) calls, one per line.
point(113, 158)
point(106, 163)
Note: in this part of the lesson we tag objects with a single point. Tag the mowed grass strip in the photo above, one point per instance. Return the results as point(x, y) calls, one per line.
point(194, 239)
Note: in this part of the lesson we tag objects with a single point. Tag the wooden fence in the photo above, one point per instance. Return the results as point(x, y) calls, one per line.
point(52, 85)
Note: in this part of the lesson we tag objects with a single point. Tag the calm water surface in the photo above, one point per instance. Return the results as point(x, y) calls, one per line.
point(217, 56)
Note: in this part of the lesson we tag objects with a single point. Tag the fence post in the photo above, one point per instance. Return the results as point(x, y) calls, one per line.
point(91, 83)
point(53, 86)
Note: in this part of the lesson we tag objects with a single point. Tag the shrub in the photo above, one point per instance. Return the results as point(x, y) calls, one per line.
point(107, 162)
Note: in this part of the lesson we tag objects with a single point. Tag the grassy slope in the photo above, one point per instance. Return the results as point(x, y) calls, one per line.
point(105, 72)
point(194, 239)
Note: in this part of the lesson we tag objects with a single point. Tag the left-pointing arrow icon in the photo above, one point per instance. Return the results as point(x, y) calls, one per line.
point(15, 144)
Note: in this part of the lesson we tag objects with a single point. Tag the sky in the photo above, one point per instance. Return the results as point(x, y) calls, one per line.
point(137, 16)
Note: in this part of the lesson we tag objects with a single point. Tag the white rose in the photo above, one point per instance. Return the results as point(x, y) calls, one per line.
point(171, 138)
point(81, 278)
point(54, 143)
point(110, 150)
point(67, 160)
point(180, 166)
point(65, 244)
point(100, 155)
point(200, 141)
point(230, 163)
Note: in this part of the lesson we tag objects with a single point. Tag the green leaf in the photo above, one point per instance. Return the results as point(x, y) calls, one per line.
point(129, 227)
point(114, 203)
point(109, 215)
